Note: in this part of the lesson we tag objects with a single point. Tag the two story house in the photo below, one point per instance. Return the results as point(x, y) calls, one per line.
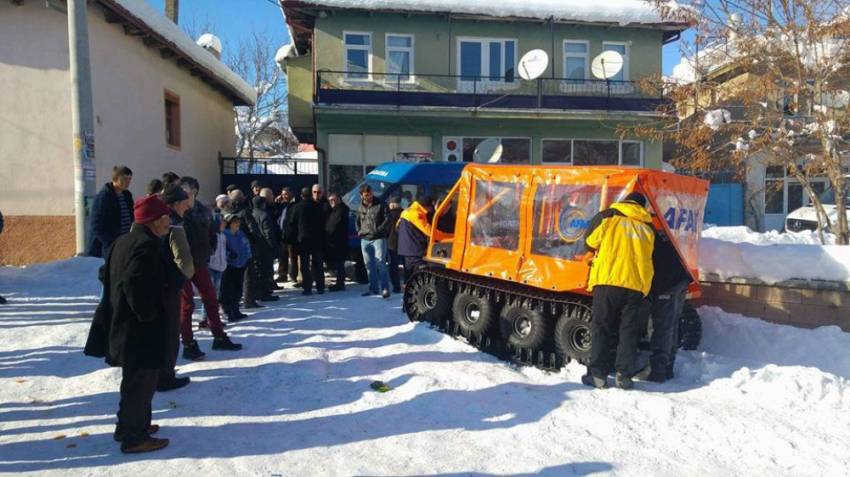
point(373, 82)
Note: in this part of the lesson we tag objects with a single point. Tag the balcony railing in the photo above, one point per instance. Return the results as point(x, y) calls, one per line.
point(462, 91)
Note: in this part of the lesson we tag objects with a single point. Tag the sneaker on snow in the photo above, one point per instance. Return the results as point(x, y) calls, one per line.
point(172, 384)
point(193, 352)
point(224, 343)
point(385, 293)
point(623, 381)
point(148, 445)
point(594, 382)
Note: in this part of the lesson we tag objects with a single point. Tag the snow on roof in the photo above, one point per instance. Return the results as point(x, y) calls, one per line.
point(145, 13)
point(622, 12)
point(209, 41)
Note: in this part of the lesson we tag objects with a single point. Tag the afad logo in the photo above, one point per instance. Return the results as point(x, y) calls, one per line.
point(571, 224)
point(681, 219)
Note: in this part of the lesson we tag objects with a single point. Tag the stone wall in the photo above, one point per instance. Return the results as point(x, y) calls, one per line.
point(28, 239)
point(801, 303)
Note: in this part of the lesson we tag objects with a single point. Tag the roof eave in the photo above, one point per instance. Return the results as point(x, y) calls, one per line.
point(168, 49)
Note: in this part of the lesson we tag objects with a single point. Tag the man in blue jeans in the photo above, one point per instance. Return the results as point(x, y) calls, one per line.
point(373, 225)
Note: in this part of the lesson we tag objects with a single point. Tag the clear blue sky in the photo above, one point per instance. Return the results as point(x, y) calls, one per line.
point(236, 18)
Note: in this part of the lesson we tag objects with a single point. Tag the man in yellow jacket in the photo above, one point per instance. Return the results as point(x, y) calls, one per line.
point(620, 278)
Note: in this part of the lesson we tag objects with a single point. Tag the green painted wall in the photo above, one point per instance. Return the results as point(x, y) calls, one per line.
point(435, 48)
point(299, 78)
point(438, 127)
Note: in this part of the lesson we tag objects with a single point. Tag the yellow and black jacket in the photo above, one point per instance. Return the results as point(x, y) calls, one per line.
point(414, 231)
point(623, 238)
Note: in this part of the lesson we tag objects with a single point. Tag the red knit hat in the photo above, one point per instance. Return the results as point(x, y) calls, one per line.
point(149, 208)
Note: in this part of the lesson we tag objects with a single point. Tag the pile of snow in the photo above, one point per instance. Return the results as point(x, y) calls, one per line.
point(208, 41)
point(623, 12)
point(757, 398)
point(772, 257)
point(716, 118)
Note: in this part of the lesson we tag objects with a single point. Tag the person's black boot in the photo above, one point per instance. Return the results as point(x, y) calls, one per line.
point(172, 384)
point(223, 343)
point(193, 352)
point(623, 382)
point(2, 301)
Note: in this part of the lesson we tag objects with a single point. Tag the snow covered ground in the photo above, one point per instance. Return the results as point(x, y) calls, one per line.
point(756, 399)
point(772, 257)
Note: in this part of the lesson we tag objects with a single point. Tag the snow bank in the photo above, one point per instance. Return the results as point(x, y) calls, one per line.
point(623, 12)
point(757, 399)
point(772, 257)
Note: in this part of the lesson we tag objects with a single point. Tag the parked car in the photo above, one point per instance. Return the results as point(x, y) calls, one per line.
point(806, 218)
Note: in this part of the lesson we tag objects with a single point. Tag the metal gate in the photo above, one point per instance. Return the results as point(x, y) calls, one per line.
point(273, 173)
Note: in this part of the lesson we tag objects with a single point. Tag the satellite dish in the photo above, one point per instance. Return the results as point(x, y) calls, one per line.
point(607, 65)
point(533, 64)
point(489, 150)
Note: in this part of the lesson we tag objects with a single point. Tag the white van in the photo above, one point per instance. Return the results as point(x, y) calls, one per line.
point(806, 218)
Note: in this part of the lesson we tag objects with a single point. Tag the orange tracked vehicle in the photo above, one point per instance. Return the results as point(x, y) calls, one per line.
point(509, 267)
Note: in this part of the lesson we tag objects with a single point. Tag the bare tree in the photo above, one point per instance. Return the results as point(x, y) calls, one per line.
point(263, 128)
point(766, 78)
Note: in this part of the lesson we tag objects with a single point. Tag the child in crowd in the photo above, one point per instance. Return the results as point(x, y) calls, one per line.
point(238, 255)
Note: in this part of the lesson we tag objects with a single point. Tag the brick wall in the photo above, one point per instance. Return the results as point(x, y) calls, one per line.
point(805, 305)
point(28, 239)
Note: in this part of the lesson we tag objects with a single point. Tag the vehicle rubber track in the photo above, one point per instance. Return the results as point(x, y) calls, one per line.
point(500, 292)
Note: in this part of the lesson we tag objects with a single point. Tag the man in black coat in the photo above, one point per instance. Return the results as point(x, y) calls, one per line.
point(288, 258)
point(336, 229)
point(308, 228)
point(111, 212)
point(129, 327)
point(265, 240)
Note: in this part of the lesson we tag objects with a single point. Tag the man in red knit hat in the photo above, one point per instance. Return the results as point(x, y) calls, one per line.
point(129, 326)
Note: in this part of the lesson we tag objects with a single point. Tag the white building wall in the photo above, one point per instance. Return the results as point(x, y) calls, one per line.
point(129, 80)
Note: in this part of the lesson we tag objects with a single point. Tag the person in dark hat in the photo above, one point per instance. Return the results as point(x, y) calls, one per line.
point(130, 326)
point(336, 243)
point(180, 268)
point(620, 278)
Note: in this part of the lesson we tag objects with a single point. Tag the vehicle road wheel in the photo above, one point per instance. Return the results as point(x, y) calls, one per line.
point(472, 313)
point(427, 298)
point(690, 328)
point(572, 333)
point(524, 328)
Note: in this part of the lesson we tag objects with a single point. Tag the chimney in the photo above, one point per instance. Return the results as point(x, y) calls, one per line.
point(171, 9)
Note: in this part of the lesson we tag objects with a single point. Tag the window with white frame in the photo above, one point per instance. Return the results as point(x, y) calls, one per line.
point(575, 59)
point(487, 59)
point(358, 55)
point(623, 50)
point(592, 152)
point(399, 57)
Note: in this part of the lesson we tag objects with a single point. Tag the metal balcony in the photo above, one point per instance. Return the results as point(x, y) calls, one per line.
point(475, 92)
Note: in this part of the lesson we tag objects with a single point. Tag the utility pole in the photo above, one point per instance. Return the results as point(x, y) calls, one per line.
point(82, 120)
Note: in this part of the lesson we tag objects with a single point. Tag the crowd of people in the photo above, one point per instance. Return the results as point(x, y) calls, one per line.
point(167, 246)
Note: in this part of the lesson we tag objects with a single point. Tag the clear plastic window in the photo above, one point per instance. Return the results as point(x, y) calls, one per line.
point(562, 214)
point(495, 213)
